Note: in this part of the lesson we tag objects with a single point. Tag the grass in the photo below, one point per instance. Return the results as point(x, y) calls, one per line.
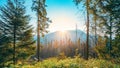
point(69, 63)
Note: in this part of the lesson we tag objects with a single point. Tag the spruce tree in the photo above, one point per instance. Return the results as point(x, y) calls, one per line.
point(107, 19)
point(42, 21)
point(15, 26)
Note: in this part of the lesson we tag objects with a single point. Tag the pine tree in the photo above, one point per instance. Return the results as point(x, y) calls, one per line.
point(42, 21)
point(106, 14)
point(109, 11)
point(77, 2)
point(15, 26)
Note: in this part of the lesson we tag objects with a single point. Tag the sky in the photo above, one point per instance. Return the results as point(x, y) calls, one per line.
point(64, 16)
point(63, 13)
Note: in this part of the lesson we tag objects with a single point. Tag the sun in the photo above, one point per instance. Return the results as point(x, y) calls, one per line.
point(63, 32)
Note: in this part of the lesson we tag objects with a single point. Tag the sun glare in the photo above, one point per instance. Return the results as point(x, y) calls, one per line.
point(63, 32)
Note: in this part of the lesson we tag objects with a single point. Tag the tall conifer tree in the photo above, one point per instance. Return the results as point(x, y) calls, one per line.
point(15, 26)
point(42, 21)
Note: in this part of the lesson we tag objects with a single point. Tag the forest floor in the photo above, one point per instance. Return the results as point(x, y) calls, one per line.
point(75, 62)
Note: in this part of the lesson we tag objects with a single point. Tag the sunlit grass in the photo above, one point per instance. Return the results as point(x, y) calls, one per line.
point(70, 63)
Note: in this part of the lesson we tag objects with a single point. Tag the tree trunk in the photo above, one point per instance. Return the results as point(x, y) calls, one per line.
point(87, 41)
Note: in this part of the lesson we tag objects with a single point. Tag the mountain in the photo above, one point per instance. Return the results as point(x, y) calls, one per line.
point(73, 35)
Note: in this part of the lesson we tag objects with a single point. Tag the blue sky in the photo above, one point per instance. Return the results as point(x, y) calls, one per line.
point(63, 13)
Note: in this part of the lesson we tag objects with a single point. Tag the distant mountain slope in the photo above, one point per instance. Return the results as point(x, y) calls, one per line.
point(73, 35)
point(70, 34)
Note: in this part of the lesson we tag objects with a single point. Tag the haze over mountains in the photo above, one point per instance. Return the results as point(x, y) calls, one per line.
point(72, 35)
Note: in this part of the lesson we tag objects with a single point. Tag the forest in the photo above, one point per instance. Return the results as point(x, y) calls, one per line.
point(26, 45)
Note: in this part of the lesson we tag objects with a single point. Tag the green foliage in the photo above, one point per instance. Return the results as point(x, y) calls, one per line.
point(14, 26)
point(71, 63)
point(61, 56)
point(102, 52)
point(101, 49)
point(5, 54)
point(116, 50)
point(39, 7)
point(105, 20)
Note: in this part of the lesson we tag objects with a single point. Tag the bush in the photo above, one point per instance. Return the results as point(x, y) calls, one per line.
point(61, 56)
point(71, 63)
